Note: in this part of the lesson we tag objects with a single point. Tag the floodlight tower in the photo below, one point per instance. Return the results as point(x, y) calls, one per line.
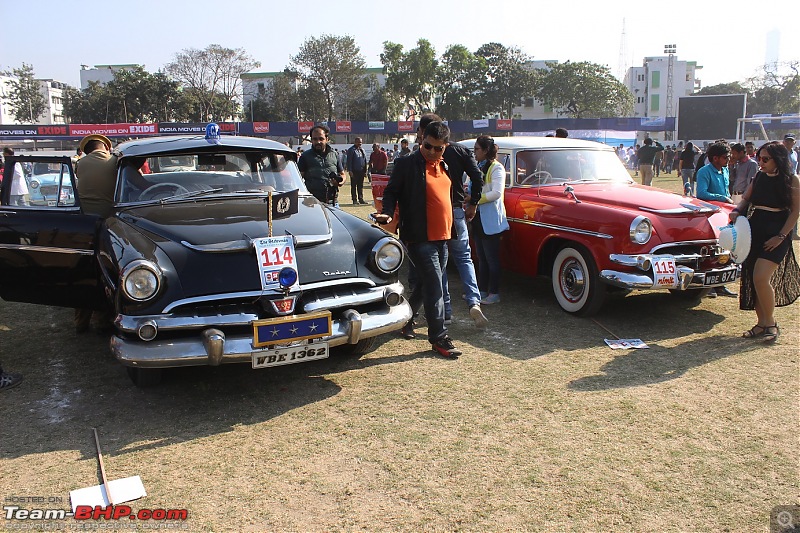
point(670, 49)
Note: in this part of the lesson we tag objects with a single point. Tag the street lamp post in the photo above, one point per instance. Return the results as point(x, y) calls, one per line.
point(670, 49)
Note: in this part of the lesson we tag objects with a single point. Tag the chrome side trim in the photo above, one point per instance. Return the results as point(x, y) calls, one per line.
point(257, 294)
point(561, 228)
point(32, 248)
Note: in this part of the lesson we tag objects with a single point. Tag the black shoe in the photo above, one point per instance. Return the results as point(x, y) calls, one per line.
point(408, 331)
point(362, 202)
point(725, 291)
point(445, 348)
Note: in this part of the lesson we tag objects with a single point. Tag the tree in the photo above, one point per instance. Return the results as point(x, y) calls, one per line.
point(409, 75)
point(460, 82)
point(508, 80)
point(134, 95)
point(776, 90)
point(26, 101)
point(734, 87)
point(334, 65)
point(583, 90)
point(213, 76)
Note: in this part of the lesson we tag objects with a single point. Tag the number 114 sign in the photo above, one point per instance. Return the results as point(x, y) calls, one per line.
point(274, 254)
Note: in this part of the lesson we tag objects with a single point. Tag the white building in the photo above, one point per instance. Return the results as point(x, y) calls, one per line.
point(649, 85)
point(100, 73)
point(52, 90)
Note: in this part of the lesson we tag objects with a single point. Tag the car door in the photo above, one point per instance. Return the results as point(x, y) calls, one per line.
point(47, 245)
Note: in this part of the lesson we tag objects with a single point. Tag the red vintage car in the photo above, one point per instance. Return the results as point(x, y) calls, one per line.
point(577, 216)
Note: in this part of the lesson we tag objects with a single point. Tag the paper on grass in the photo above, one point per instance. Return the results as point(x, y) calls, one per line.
point(123, 490)
point(624, 344)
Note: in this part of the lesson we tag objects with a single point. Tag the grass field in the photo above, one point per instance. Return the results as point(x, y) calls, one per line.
point(537, 427)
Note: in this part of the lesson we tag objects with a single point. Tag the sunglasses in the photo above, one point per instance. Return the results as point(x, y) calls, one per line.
point(429, 146)
point(765, 159)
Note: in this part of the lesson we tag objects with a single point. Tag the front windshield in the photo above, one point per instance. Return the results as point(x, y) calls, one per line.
point(164, 176)
point(545, 167)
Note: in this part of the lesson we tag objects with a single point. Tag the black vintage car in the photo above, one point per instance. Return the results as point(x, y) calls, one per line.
point(215, 253)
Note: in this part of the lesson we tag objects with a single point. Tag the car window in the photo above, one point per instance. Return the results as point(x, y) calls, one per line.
point(159, 177)
point(48, 185)
point(505, 160)
point(546, 167)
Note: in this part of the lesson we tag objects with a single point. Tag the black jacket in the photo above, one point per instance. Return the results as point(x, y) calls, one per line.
point(459, 160)
point(407, 188)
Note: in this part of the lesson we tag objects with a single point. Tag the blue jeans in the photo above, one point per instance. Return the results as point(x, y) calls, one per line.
point(430, 259)
point(460, 252)
point(687, 176)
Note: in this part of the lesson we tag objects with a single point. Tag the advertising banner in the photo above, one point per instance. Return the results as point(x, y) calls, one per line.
point(118, 130)
point(504, 124)
point(480, 123)
point(343, 126)
point(305, 127)
point(260, 127)
point(405, 125)
point(376, 124)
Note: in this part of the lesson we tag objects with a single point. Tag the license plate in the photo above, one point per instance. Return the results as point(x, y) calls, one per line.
point(720, 276)
point(293, 354)
point(665, 275)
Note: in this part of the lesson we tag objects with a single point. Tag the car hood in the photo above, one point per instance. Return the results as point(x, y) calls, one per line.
point(214, 225)
point(638, 197)
point(208, 242)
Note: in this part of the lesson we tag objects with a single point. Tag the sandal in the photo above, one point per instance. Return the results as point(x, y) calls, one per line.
point(771, 333)
point(755, 331)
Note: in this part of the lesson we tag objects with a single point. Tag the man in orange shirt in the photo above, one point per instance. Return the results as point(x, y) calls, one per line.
point(422, 187)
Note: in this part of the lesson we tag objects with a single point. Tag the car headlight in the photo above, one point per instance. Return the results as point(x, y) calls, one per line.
point(34, 184)
point(141, 280)
point(641, 230)
point(387, 255)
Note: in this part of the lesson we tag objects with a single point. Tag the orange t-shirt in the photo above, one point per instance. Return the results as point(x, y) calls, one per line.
point(438, 205)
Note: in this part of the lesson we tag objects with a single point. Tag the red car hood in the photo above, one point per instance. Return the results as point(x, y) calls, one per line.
point(631, 196)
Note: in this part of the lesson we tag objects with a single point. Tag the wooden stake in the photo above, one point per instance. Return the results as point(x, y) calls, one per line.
point(102, 467)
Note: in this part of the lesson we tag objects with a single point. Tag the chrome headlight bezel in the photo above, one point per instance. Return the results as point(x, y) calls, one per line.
point(387, 256)
point(641, 230)
point(141, 270)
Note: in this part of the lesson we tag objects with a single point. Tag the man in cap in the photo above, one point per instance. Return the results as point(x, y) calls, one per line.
point(96, 172)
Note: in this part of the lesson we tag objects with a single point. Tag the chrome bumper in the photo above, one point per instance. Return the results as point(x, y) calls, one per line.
point(211, 346)
point(688, 278)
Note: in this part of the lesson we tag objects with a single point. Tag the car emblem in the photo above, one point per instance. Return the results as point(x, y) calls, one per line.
point(283, 306)
point(283, 205)
point(337, 273)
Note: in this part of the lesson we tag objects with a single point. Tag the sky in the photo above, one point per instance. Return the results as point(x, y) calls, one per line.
point(56, 37)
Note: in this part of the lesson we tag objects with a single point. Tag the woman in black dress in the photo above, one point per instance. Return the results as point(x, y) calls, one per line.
point(770, 274)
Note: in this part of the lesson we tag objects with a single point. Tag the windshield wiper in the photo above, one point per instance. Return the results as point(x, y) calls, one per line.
point(190, 194)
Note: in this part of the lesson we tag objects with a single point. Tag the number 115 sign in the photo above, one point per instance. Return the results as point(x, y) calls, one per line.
point(274, 254)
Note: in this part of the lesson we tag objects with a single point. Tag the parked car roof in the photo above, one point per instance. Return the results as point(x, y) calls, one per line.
point(182, 143)
point(541, 142)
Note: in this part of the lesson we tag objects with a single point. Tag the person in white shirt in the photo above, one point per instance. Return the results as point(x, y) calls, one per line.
point(19, 185)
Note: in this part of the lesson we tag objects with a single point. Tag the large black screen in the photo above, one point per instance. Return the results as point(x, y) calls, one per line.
point(709, 117)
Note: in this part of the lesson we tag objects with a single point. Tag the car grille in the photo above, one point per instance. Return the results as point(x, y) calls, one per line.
point(698, 256)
